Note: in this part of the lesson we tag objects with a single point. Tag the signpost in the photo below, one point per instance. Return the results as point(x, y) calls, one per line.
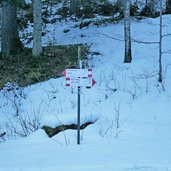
point(79, 78)
point(79, 97)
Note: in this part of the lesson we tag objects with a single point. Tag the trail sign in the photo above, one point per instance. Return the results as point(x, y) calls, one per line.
point(79, 77)
point(79, 82)
point(78, 73)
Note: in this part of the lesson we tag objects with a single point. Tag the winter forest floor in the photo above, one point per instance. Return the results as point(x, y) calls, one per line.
point(130, 107)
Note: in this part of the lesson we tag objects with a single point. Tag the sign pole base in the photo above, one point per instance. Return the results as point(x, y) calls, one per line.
point(78, 118)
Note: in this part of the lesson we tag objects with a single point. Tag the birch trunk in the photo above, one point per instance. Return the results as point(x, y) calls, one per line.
point(127, 30)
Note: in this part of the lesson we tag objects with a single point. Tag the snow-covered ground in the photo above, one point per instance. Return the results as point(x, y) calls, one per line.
point(131, 109)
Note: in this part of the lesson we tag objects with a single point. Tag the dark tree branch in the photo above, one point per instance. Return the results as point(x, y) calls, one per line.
point(133, 40)
point(2, 135)
point(53, 131)
point(144, 42)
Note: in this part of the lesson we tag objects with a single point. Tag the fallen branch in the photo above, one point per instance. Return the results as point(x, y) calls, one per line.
point(133, 40)
point(53, 131)
point(143, 42)
point(2, 135)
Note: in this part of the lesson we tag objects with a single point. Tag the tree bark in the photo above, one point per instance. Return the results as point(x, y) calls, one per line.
point(10, 42)
point(37, 30)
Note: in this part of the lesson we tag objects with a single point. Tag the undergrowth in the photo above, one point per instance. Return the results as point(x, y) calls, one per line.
point(24, 70)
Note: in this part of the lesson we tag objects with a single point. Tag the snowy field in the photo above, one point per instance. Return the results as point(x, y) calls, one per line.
point(131, 109)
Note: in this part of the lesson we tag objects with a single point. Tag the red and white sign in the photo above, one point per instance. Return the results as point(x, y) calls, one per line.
point(78, 72)
point(79, 77)
point(79, 82)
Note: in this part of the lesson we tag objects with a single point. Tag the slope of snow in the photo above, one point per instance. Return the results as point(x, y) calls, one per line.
point(131, 110)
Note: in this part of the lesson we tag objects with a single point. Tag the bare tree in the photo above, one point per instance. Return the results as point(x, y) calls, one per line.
point(37, 32)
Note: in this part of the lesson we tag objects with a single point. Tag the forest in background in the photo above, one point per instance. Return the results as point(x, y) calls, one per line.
point(38, 63)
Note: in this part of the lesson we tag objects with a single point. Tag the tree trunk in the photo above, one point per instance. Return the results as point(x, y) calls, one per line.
point(168, 6)
point(127, 30)
point(10, 42)
point(73, 6)
point(151, 4)
point(160, 46)
point(37, 31)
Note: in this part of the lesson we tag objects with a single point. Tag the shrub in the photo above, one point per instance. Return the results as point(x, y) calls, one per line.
point(105, 9)
point(64, 11)
point(85, 12)
point(134, 9)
